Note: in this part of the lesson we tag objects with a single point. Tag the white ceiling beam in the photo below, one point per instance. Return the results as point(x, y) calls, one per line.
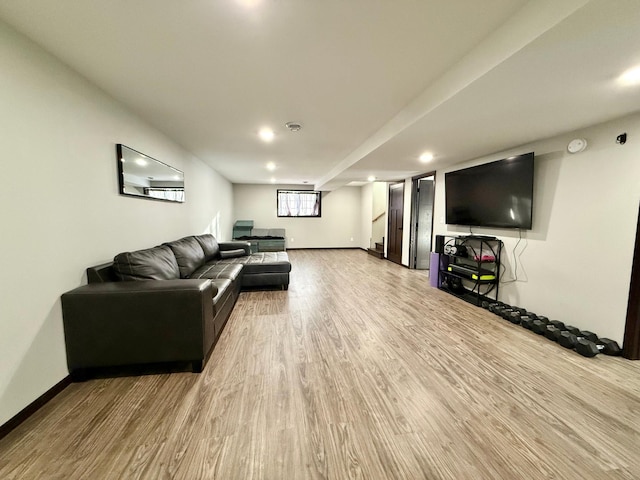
point(529, 23)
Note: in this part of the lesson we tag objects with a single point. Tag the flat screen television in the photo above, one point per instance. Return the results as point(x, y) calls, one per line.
point(496, 194)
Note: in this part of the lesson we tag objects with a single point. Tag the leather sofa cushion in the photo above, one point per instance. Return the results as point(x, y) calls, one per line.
point(157, 263)
point(218, 270)
point(188, 253)
point(261, 262)
point(209, 245)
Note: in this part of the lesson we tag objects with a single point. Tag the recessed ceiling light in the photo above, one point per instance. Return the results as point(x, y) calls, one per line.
point(266, 134)
point(141, 161)
point(426, 157)
point(630, 77)
point(271, 166)
point(249, 3)
point(273, 180)
point(371, 178)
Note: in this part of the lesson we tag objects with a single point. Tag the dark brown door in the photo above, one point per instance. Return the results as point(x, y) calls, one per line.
point(396, 210)
point(631, 344)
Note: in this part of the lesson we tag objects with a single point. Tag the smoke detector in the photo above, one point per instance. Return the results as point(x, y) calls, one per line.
point(293, 126)
point(577, 145)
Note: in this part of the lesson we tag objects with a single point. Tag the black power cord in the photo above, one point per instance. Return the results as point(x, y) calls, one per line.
point(515, 260)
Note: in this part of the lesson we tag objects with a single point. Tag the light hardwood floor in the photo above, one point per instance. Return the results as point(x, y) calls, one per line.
point(359, 370)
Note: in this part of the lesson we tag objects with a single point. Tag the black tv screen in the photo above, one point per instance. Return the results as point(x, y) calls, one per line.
point(496, 194)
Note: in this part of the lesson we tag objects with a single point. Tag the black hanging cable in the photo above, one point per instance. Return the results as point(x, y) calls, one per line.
point(515, 259)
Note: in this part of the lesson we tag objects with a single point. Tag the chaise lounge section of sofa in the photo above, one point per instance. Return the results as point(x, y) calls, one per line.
point(164, 304)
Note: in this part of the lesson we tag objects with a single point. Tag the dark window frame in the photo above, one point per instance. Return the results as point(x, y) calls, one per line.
point(317, 204)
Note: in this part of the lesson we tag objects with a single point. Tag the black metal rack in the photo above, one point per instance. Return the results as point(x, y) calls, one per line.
point(470, 267)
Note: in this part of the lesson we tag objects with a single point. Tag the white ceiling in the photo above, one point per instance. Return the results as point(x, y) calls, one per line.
point(374, 82)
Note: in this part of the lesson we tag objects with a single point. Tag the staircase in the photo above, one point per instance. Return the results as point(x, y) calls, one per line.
point(378, 251)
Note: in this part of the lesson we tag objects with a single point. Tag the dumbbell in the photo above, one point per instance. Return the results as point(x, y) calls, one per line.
point(513, 313)
point(569, 340)
point(527, 316)
point(539, 327)
point(568, 336)
point(495, 307)
point(506, 312)
point(500, 311)
point(515, 317)
point(487, 304)
point(520, 315)
point(586, 334)
point(554, 328)
point(527, 320)
point(587, 348)
point(608, 347)
point(544, 320)
point(557, 323)
point(553, 332)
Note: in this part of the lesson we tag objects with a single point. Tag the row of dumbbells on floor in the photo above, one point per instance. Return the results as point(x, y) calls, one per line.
point(584, 342)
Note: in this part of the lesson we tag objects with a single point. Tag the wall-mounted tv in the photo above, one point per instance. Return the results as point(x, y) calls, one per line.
point(496, 194)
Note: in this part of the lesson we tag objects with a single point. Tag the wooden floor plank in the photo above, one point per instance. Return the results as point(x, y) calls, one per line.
point(359, 370)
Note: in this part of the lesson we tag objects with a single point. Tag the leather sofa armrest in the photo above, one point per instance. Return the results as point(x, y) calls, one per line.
point(137, 322)
point(246, 246)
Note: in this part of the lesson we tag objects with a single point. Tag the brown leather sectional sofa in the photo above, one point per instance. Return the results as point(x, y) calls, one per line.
point(164, 304)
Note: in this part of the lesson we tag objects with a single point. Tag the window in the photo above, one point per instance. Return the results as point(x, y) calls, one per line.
point(299, 203)
point(173, 194)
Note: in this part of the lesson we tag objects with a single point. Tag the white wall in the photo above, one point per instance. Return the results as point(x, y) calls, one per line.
point(60, 207)
point(575, 264)
point(339, 226)
point(367, 209)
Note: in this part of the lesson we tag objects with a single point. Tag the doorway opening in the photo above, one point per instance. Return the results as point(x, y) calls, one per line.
point(422, 200)
point(631, 343)
point(396, 211)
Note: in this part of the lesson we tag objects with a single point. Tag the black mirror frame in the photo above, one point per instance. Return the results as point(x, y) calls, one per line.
point(121, 185)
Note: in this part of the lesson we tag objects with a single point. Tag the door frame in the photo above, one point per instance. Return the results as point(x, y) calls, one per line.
point(413, 247)
point(390, 186)
point(631, 342)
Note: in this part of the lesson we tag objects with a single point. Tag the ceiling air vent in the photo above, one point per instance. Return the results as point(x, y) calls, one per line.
point(293, 126)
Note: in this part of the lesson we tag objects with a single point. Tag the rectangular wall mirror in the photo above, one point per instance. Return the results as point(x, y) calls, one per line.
point(139, 175)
